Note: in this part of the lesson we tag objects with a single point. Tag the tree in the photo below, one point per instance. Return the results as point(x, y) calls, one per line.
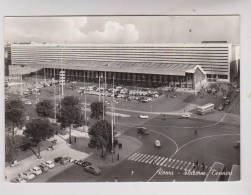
point(101, 133)
point(38, 130)
point(70, 113)
point(45, 108)
point(97, 110)
point(14, 110)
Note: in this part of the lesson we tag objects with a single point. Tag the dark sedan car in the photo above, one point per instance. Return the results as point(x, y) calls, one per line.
point(93, 170)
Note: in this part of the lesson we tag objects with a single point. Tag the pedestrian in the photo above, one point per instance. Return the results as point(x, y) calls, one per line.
point(153, 162)
point(132, 172)
point(203, 166)
point(195, 132)
point(75, 138)
point(118, 156)
point(196, 163)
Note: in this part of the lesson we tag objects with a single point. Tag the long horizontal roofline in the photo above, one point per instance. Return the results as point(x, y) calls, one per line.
point(127, 45)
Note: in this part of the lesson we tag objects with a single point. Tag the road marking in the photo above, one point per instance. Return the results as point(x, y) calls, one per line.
point(155, 157)
point(187, 166)
point(168, 137)
point(177, 167)
point(154, 175)
point(163, 162)
point(175, 164)
point(200, 138)
point(156, 161)
point(191, 167)
point(170, 164)
point(184, 164)
point(132, 156)
point(142, 157)
point(136, 156)
point(147, 157)
point(147, 161)
point(160, 160)
point(170, 160)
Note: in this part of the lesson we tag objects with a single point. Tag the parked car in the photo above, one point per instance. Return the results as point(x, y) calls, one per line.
point(227, 102)
point(221, 107)
point(50, 164)
point(93, 170)
point(214, 91)
point(27, 175)
point(157, 144)
point(142, 131)
point(28, 103)
point(18, 180)
point(237, 145)
point(43, 167)
point(186, 115)
point(14, 163)
point(143, 116)
point(36, 171)
point(83, 163)
point(58, 159)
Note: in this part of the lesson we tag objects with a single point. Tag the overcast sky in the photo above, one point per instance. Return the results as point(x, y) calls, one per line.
point(123, 29)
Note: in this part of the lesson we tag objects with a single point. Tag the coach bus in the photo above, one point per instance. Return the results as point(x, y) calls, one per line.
point(215, 171)
point(205, 108)
point(235, 173)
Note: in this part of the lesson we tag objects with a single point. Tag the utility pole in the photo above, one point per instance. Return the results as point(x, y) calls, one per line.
point(85, 99)
point(104, 98)
point(112, 115)
point(99, 88)
point(55, 100)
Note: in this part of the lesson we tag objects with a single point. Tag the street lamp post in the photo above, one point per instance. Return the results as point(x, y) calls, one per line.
point(112, 117)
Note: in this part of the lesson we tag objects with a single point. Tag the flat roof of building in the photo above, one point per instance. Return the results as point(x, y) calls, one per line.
point(124, 66)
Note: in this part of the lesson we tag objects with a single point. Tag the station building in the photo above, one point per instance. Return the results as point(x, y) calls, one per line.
point(180, 65)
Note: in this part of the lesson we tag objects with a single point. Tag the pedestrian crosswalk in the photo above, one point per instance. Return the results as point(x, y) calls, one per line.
point(164, 162)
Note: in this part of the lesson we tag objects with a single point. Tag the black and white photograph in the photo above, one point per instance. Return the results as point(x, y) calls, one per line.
point(122, 98)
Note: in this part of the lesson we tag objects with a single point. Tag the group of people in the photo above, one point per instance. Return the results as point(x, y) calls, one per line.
point(197, 165)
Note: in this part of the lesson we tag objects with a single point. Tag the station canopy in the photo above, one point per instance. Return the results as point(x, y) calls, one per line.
point(123, 66)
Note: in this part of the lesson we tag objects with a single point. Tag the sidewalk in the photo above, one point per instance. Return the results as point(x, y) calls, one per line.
point(129, 145)
point(60, 149)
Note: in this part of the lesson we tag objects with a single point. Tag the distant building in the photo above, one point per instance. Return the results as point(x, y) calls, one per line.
point(142, 64)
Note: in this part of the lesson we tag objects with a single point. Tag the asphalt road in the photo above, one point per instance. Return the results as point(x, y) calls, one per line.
point(214, 142)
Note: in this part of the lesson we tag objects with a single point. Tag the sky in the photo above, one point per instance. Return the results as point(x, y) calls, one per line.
point(122, 29)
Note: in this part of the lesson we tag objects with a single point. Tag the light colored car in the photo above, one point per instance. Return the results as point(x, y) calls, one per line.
point(157, 143)
point(27, 102)
point(27, 175)
point(36, 171)
point(50, 164)
point(18, 180)
point(143, 116)
point(186, 115)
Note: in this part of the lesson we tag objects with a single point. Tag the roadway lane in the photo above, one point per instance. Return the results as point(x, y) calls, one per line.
point(214, 142)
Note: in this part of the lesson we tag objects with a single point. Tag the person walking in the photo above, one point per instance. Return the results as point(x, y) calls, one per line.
point(132, 172)
point(195, 132)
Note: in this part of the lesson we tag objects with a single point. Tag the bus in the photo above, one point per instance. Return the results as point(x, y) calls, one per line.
point(235, 173)
point(215, 171)
point(205, 108)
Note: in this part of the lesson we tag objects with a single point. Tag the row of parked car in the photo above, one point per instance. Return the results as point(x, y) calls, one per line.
point(120, 92)
point(34, 172)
